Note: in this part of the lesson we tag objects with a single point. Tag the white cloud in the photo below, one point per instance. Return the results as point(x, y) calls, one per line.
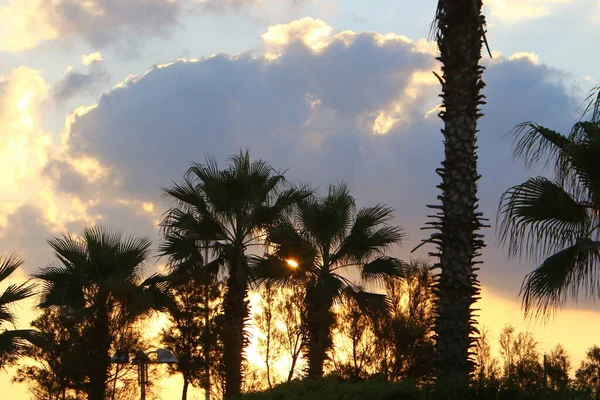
point(24, 24)
point(88, 59)
point(521, 10)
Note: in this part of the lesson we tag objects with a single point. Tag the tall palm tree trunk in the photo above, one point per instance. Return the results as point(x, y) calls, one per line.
point(99, 364)
point(319, 319)
point(460, 37)
point(235, 312)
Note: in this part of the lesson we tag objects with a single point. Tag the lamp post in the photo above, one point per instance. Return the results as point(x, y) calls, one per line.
point(142, 360)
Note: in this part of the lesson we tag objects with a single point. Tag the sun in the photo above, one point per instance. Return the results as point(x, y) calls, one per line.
point(292, 263)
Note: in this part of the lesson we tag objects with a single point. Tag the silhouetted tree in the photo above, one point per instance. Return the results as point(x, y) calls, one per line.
point(291, 336)
point(13, 342)
point(555, 222)
point(556, 368)
point(230, 209)
point(587, 376)
point(60, 360)
point(460, 34)
point(324, 239)
point(98, 278)
point(267, 322)
point(355, 339)
point(187, 333)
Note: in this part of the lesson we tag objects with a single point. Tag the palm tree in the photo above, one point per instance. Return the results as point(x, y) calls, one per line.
point(556, 223)
point(230, 209)
point(460, 35)
point(12, 342)
point(325, 240)
point(98, 278)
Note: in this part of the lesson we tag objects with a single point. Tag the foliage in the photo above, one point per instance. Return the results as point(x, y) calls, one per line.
point(58, 372)
point(192, 333)
point(13, 343)
point(587, 377)
point(555, 223)
point(326, 240)
point(97, 278)
point(228, 210)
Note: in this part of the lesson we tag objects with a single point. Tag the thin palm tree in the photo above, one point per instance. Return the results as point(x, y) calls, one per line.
point(459, 27)
point(230, 209)
point(322, 245)
point(12, 341)
point(98, 278)
point(556, 223)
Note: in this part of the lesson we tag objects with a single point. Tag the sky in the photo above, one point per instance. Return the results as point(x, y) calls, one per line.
point(102, 103)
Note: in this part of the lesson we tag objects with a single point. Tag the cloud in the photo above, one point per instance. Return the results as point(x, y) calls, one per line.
point(88, 59)
point(23, 142)
point(27, 23)
point(74, 83)
point(522, 10)
point(354, 106)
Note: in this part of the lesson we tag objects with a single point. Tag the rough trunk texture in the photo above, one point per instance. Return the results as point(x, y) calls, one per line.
point(319, 319)
point(460, 38)
point(235, 314)
point(98, 372)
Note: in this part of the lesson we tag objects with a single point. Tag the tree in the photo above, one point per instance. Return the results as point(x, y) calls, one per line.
point(556, 368)
point(460, 35)
point(323, 240)
point(267, 322)
point(554, 223)
point(291, 336)
point(355, 339)
point(187, 334)
point(229, 210)
point(487, 364)
point(98, 278)
point(587, 376)
point(522, 368)
point(13, 342)
point(59, 360)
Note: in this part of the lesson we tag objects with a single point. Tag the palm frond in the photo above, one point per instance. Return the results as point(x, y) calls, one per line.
point(383, 268)
point(539, 217)
point(371, 304)
point(13, 344)
point(562, 276)
point(11, 295)
point(9, 264)
point(276, 270)
point(534, 142)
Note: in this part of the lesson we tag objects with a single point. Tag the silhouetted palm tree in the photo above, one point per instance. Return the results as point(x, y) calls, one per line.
point(325, 240)
point(98, 277)
point(460, 35)
point(12, 342)
point(556, 222)
point(230, 209)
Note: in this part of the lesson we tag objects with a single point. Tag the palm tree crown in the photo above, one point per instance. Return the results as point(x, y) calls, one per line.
point(556, 222)
point(322, 245)
point(227, 210)
point(12, 342)
point(98, 278)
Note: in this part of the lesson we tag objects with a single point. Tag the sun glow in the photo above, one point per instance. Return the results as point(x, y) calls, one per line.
point(292, 263)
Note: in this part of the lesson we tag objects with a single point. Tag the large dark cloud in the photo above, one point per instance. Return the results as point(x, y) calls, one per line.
point(313, 112)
